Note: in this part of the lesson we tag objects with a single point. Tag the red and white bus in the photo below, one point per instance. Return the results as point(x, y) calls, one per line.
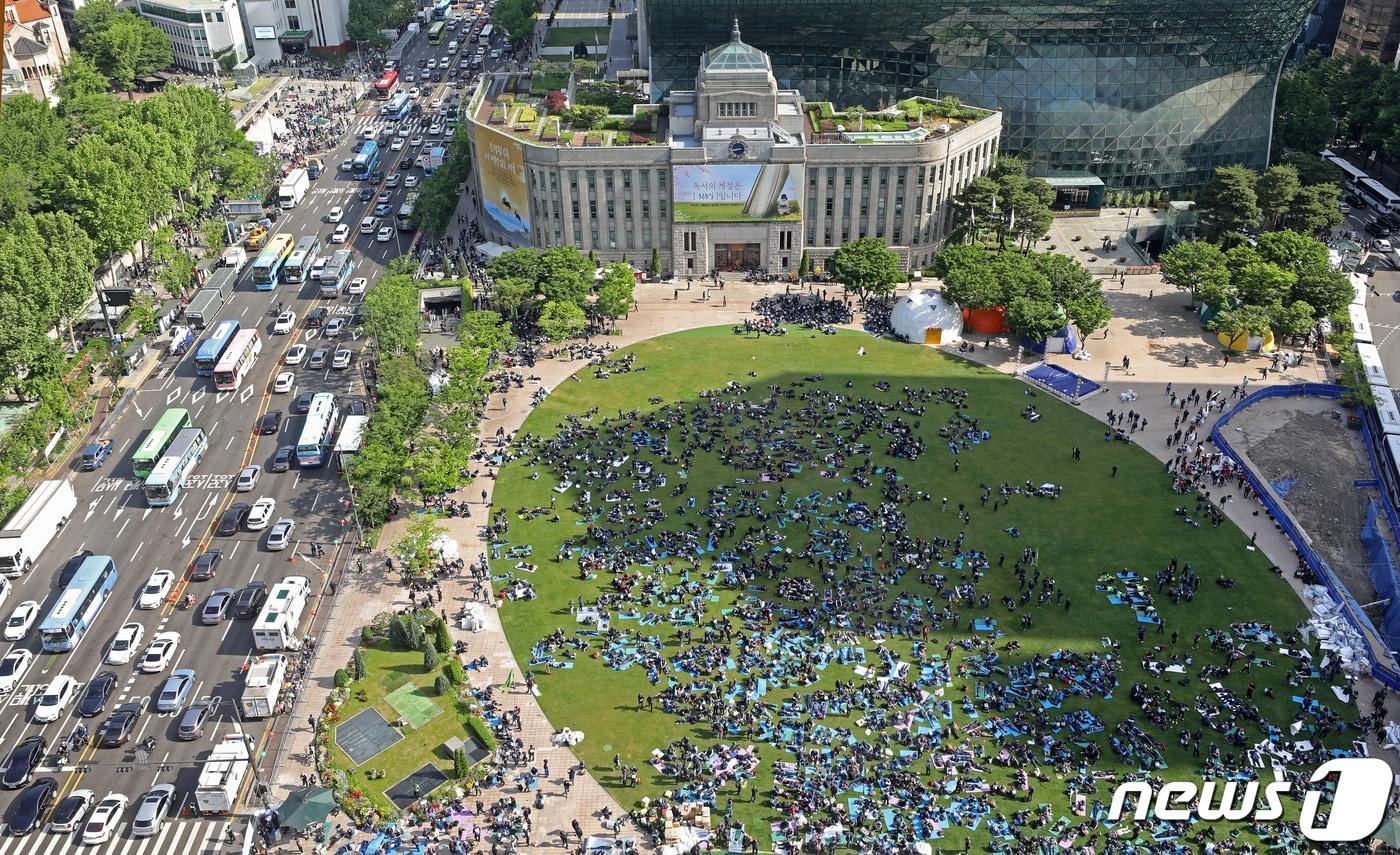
point(237, 360)
point(387, 85)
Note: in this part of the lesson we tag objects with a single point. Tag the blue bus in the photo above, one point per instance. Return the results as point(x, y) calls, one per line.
point(77, 608)
point(213, 347)
point(366, 160)
point(440, 11)
point(398, 107)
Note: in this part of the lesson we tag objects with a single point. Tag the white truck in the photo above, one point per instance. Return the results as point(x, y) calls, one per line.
point(278, 626)
point(293, 189)
point(222, 775)
point(33, 526)
point(235, 257)
point(262, 685)
point(436, 155)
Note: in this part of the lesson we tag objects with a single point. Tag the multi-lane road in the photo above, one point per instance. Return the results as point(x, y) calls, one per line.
point(112, 518)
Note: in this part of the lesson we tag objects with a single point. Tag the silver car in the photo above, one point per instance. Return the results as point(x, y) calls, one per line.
point(152, 810)
point(281, 534)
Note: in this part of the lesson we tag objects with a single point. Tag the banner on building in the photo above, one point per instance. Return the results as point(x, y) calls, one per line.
point(736, 192)
point(504, 194)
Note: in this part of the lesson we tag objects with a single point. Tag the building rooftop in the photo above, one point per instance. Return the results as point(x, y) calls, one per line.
point(912, 120)
point(734, 55)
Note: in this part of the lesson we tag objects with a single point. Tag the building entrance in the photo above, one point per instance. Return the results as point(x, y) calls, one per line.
point(737, 256)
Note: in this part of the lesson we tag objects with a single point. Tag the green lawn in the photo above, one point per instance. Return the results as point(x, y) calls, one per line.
point(570, 36)
point(386, 671)
point(1100, 525)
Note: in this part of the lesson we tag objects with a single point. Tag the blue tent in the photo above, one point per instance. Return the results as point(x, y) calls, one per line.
point(1063, 340)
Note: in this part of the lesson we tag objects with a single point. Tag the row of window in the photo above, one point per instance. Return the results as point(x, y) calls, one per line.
point(737, 109)
point(170, 14)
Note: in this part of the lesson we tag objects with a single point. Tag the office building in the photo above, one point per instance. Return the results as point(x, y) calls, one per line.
point(1141, 94)
point(736, 174)
point(202, 32)
point(286, 29)
point(1369, 29)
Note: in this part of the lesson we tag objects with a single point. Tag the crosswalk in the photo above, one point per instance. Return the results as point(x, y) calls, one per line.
point(415, 124)
point(178, 837)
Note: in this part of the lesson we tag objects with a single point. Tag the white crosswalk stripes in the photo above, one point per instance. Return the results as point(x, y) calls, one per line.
point(414, 124)
point(178, 837)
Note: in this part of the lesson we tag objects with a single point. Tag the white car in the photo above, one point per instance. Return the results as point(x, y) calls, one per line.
point(105, 818)
point(21, 620)
point(415, 92)
point(357, 286)
point(396, 145)
point(159, 653)
point(416, 142)
point(336, 213)
point(56, 697)
point(261, 514)
point(124, 644)
point(392, 180)
point(284, 324)
point(1344, 208)
point(295, 354)
point(341, 233)
point(284, 382)
point(317, 268)
point(410, 181)
point(385, 235)
point(13, 668)
point(156, 590)
point(4, 589)
point(343, 357)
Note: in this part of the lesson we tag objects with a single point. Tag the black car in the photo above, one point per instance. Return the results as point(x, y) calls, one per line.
point(28, 811)
point(94, 699)
point(357, 408)
point(366, 194)
point(376, 176)
point(407, 162)
point(316, 316)
point(271, 423)
point(206, 565)
point(282, 460)
point(116, 730)
point(24, 758)
point(70, 568)
point(250, 600)
point(302, 405)
point(232, 520)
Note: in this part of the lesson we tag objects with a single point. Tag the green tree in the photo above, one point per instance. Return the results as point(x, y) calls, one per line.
point(415, 548)
point(654, 268)
point(1195, 266)
point(1229, 202)
point(484, 330)
point(1248, 320)
point(516, 264)
point(81, 78)
point(461, 766)
point(1276, 189)
point(442, 638)
point(1323, 289)
point(516, 297)
point(1294, 319)
point(455, 672)
point(615, 291)
point(92, 18)
point(955, 256)
point(1314, 210)
point(866, 266)
point(128, 46)
point(562, 320)
point(804, 266)
point(515, 17)
point(974, 287)
point(431, 660)
point(1291, 250)
point(441, 685)
point(1036, 319)
point(357, 664)
point(566, 275)
point(391, 314)
point(1263, 283)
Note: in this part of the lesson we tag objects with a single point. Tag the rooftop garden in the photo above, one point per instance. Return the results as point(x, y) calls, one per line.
point(945, 114)
point(603, 113)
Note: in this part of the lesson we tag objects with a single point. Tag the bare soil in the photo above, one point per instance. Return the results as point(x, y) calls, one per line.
point(1306, 440)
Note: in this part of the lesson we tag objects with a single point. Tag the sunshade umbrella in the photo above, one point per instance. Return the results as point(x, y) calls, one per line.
point(306, 806)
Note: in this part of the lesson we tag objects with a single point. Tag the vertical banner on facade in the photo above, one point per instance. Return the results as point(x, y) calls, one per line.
point(503, 188)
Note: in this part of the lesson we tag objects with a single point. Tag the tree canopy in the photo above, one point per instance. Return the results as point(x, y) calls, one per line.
point(866, 266)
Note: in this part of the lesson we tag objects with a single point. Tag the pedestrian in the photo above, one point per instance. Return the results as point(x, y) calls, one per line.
point(1115, 472)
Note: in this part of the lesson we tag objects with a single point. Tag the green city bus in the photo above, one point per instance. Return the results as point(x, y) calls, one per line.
point(435, 33)
point(153, 447)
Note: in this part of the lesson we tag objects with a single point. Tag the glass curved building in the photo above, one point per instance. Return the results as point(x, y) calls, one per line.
point(1142, 94)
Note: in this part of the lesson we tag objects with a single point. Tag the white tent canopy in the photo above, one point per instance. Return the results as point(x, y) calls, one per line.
point(263, 133)
point(445, 547)
point(925, 317)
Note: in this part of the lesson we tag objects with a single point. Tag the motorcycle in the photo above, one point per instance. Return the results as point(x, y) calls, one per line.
point(187, 602)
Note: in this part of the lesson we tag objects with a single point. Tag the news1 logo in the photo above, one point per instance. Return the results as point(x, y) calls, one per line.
point(1362, 792)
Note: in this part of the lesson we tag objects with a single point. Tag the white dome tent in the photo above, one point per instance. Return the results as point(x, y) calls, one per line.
point(924, 317)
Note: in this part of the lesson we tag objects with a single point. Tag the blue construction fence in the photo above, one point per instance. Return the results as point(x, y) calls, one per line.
point(1383, 577)
point(1381, 662)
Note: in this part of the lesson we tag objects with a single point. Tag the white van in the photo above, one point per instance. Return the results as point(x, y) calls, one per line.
point(452, 46)
point(341, 233)
point(368, 225)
